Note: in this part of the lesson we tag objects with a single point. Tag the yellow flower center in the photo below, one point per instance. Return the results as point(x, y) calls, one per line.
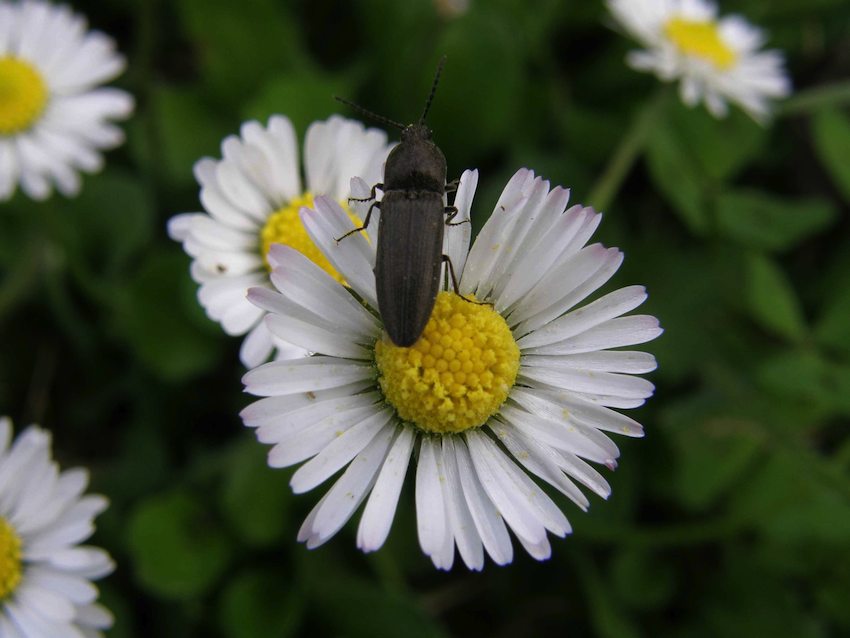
point(10, 559)
point(701, 40)
point(23, 95)
point(458, 373)
point(284, 227)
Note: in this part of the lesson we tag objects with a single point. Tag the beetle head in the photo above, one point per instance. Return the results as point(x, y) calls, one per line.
point(416, 132)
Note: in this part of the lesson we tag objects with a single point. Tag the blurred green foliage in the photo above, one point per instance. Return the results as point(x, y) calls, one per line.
point(731, 518)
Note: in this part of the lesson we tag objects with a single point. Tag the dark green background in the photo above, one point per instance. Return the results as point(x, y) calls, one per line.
point(732, 516)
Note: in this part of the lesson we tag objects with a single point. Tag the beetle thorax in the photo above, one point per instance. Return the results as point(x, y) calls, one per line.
point(416, 164)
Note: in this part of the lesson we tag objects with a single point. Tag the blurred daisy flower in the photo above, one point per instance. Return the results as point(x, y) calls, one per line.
point(715, 59)
point(53, 118)
point(45, 574)
point(251, 200)
point(493, 395)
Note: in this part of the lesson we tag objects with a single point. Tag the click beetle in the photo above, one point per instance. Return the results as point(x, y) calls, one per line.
point(410, 232)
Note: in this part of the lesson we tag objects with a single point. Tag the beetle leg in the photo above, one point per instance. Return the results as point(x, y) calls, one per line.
point(451, 187)
point(451, 212)
point(365, 222)
point(448, 261)
point(371, 195)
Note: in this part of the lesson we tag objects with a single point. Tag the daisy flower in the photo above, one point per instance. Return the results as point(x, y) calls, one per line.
point(45, 574)
point(493, 398)
point(715, 59)
point(251, 199)
point(53, 118)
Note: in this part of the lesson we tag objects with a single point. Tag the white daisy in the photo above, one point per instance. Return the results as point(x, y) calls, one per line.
point(252, 198)
point(716, 59)
point(45, 574)
point(53, 118)
point(489, 397)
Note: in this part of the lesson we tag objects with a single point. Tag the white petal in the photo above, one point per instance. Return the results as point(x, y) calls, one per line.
point(217, 203)
point(560, 450)
point(529, 214)
point(301, 443)
point(487, 519)
point(538, 459)
point(256, 347)
point(239, 188)
point(588, 382)
point(314, 338)
point(337, 150)
point(352, 257)
point(350, 490)
point(562, 435)
point(336, 455)
point(484, 254)
point(280, 148)
point(510, 501)
point(69, 587)
point(563, 288)
point(623, 361)
point(457, 237)
point(564, 236)
point(431, 517)
point(614, 333)
point(302, 281)
point(271, 410)
point(596, 416)
point(9, 169)
point(463, 527)
point(380, 509)
point(690, 91)
point(577, 321)
point(303, 375)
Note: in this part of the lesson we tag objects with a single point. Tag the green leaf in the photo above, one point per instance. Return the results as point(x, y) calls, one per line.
point(700, 480)
point(771, 299)
point(156, 314)
point(677, 175)
point(768, 222)
point(255, 498)
point(720, 147)
point(177, 552)
point(833, 326)
point(831, 135)
point(808, 377)
point(788, 505)
point(259, 603)
point(694, 289)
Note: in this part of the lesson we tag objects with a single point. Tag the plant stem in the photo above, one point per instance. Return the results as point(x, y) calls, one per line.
point(815, 98)
point(630, 147)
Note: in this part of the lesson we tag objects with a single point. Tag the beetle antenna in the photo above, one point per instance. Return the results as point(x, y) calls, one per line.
point(368, 113)
point(433, 89)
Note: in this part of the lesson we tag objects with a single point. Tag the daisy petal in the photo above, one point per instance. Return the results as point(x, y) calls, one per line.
point(380, 508)
point(350, 490)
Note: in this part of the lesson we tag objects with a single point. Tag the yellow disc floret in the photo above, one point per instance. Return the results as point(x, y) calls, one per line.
point(284, 227)
point(23, 95)
point(10, 559)
point(700, 39)
point(458, 373)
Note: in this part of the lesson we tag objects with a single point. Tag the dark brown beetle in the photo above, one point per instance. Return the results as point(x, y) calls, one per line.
point(410, 232)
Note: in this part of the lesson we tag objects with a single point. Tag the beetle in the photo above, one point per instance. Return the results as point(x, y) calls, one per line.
point(409, 253)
